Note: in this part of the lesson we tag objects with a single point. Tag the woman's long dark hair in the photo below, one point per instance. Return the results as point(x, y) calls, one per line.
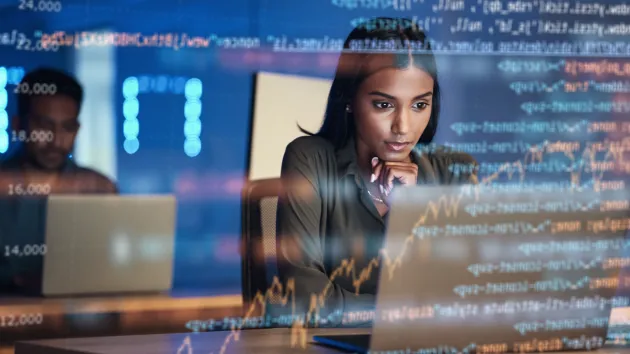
point(338, 124)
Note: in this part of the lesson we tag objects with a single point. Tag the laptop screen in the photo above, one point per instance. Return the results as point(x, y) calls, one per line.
point(501, 270)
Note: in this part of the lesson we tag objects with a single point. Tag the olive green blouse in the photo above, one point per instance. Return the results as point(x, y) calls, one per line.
point(327, 216)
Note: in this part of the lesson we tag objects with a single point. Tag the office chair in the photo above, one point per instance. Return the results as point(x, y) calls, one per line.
point(258, 237)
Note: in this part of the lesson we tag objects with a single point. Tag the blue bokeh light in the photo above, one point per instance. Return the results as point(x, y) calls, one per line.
point(4, 141)
point(131, 88)
point(4, 116)
point(131, 146)
point(192, 146)
point(180, 85)
point(193, 89)
point(4, 99)
point(192, 128)
point(15, 75)
point(192, 112)
point(192, 109)
point(4, 120)
point(131, 108)
point(131, 128)
point(4, 77)
point(162, 82)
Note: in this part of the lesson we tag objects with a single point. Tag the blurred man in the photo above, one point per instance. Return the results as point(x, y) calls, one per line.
point(44, 129)
point(46, 126)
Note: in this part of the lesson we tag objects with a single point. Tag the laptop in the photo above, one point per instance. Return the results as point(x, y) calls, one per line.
point(106, 244)
point(486, 270)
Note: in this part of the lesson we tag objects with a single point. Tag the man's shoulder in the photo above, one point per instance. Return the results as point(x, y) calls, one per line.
point(95, 181)
point(91, 173)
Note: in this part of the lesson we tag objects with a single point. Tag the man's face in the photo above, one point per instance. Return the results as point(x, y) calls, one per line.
point(53, 126)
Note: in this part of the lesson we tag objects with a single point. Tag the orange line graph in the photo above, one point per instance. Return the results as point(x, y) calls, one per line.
point(434, 209)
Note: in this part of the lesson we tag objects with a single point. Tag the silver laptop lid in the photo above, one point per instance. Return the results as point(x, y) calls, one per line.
point(471, 268)
point(109, 244)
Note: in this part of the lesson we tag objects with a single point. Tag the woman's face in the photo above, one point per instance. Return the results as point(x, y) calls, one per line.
point(391, 109)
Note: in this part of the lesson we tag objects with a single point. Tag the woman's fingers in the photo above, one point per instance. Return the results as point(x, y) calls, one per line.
point(406, 175)
point(376, 169)
point(384, 173)
point(377, 172)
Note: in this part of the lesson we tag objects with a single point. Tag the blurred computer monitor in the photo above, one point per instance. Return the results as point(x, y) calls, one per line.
point(281, 102)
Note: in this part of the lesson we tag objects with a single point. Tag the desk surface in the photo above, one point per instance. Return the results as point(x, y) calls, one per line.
point(81, 317)
point(276, 341)
point(273, 341)
point(119, 303)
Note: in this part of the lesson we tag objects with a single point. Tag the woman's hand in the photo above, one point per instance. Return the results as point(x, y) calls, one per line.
point(386, 173)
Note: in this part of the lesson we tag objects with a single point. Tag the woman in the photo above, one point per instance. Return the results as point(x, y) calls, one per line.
point(338, 181)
